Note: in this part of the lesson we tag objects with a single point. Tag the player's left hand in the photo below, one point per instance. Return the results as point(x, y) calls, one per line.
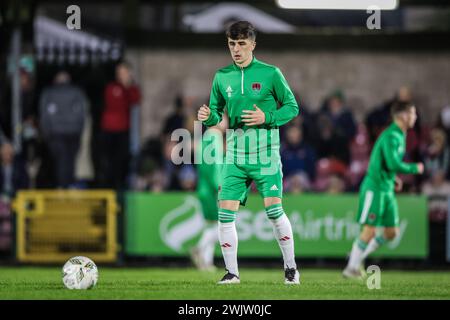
point(398, 184)
point(253, 117)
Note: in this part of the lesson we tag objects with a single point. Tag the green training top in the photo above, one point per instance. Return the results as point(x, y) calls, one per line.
point(386, 159)
point(236, 89)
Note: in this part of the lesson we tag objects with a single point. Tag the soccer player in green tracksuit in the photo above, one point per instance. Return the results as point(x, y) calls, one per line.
point(208, 174)
point(250, 91)
point(377, 203)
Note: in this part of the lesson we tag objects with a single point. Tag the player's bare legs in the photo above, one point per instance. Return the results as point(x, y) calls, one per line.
point(390, 233)
point(282, 230)
point(228, 239)
point(375, 242)
point(367, 243)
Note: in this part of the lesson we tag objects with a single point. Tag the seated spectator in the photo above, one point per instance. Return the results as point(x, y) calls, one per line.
point(153, 181)
point(187, 177)
point(304, 120)
point(297, 183)
point(340, 116)
point(297, 155)
point(437, 155)
point(437, 185)
point(444, 122)
point(380, 117)
point(176, 119)
point(330, 143)
point(336, 184)
point(329, 171)
point(13, 174)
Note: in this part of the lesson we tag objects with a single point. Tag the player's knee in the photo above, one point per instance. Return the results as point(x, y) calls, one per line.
point(274, 211)
point(391, 233)
point(270, 201)
point(368, 233)
point(229, 205)
point(226, 215)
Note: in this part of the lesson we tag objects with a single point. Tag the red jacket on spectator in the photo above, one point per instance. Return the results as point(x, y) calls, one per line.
point(118, 101)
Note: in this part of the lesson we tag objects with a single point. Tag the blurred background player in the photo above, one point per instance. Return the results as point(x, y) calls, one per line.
point(208, 173)
point(251, 90)
point(377, 203)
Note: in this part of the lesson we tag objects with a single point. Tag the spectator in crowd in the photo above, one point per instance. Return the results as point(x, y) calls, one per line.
point(297, 183)
point(119, 97)
point(340, 116)
point(13, 174)
point(170, 169)
point(329, 142)
point(437, 185)
point(444, 122)
point(334, 129)
point(149, 163)
point(305, 120)
point(437, 154)
point(187, 177)
point(63, 109)
point(336, 184)
point(28, 108)
point(380, 117)
point(297, 155)
point(176, 119)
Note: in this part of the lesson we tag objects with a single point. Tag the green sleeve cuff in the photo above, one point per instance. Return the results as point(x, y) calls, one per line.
point(269, 118)
point(210, 121)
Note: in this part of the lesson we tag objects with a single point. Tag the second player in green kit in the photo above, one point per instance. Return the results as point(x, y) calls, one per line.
point(377, 203)
point(250, 91)
point(209, 175)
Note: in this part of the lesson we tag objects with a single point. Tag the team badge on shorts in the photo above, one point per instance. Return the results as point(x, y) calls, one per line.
point(372, 217)
point(256, 87)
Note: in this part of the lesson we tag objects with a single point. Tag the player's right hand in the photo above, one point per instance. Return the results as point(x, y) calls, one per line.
point(420, 167)
point(203, 113)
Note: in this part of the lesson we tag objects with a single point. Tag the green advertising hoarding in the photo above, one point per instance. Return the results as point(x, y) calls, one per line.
point(169, 224)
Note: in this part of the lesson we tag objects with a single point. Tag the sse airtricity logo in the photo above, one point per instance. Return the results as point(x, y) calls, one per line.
point(182, 224)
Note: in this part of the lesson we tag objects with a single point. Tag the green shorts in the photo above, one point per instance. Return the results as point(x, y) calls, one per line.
point(377, 207)
point(237, 178)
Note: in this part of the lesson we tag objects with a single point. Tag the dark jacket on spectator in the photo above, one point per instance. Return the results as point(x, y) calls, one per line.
point(63, 109)
point(299, 158)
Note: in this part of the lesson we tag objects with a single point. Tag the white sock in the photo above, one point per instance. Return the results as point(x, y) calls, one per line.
point(207, 243)
point(228, 243)
point(373, 245)
point(282, 230)
point(358, 249)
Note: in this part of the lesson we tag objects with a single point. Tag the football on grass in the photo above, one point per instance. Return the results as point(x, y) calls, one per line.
point(79, 273)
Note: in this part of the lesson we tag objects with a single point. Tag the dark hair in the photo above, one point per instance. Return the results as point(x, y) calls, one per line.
point(241, 30)
point(400, 106)
point(123, 63)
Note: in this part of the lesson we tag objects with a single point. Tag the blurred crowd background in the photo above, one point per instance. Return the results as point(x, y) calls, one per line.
point(324, 149)
point(138, 70)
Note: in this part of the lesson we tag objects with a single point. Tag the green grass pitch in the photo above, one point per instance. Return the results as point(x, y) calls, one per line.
point(256, 284)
